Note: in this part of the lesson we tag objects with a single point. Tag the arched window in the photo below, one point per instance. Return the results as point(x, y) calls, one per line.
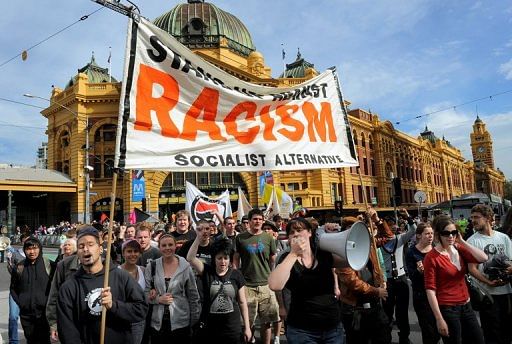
point(354, 135)
point(62, 155)
point(102, 152)
point(363, 140)
point(108, 166)
point(389, 170)
point(105, 133)
point(370, 141)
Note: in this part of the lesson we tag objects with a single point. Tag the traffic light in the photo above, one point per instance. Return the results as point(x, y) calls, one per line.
point(338, 208)
point(143, 204)
point(397, 190)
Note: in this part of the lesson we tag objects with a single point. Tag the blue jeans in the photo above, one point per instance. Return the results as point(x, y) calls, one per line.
point(298, 336)
point(463, 326)
point(14, 314)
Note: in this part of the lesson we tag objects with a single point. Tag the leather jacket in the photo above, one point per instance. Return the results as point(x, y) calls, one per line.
point(354, 288)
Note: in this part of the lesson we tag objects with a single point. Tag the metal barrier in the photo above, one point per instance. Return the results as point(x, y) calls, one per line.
point(46, 240)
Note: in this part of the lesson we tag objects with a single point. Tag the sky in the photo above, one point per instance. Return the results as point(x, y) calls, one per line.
point(399, 59)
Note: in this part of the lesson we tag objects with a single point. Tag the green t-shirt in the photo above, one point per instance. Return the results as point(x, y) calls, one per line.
point(255, 252)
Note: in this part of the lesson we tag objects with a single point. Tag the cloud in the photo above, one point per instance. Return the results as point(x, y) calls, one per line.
point(457, 125)
point(506, 69)
point(476, 6)
point(388, 83)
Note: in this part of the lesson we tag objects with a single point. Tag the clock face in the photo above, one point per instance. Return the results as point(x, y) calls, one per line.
point(481, 149)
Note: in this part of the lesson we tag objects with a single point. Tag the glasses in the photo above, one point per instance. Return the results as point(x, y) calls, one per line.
point(448, 233)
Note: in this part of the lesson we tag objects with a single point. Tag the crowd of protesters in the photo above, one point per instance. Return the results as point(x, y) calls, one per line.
point(218, 281)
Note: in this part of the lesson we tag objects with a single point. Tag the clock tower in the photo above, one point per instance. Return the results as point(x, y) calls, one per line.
point(481, 144)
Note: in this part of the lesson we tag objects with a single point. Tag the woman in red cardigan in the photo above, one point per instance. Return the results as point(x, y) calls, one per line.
point(447, 293)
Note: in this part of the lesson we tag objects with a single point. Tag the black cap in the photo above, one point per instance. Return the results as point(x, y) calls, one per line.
point(88, 230)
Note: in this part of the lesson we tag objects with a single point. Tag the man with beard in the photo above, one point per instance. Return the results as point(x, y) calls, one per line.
point(496, 317)
point(30, 283)
point(82, 297)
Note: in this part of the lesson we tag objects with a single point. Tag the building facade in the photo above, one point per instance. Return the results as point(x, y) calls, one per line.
point(42, 156)
point(88, 106)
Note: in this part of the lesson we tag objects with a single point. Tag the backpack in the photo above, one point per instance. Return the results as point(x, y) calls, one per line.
point(47, 267)
point(50, 270)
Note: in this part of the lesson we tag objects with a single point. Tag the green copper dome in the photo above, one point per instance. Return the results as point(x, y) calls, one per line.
point(95, 73)
point(298, 68)
point(199, 24)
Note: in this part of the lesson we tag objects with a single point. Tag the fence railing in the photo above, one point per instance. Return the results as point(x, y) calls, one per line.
point(46, 240)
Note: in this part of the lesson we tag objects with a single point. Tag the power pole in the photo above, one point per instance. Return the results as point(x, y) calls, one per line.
point(9, 213)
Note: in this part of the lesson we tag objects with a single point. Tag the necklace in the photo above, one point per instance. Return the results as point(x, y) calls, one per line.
point(313, 261)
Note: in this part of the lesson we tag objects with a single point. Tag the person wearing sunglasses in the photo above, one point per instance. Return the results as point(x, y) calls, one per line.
point(445, 267)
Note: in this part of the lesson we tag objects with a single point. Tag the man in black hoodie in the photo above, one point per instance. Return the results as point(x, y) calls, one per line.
point(82, 296)
point(30, 284)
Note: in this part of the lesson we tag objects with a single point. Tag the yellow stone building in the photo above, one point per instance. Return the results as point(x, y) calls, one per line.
point(424, 163)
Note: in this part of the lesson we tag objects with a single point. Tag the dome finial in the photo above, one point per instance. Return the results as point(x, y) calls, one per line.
point(194, 1)
point(299, 56)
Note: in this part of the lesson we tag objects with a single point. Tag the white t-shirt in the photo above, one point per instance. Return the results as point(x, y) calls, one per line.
point(495, 244)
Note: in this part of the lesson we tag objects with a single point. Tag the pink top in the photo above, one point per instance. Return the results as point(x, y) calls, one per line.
point(445, 279)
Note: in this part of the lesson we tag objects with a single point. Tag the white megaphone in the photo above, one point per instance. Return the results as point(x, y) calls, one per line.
point(352, 245)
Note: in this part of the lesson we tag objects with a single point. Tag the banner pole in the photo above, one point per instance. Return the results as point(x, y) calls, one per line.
point(107, 258)
point(373, 244)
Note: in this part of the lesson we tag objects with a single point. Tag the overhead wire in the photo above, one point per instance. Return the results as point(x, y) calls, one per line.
point(82, 18)
point(453, 107)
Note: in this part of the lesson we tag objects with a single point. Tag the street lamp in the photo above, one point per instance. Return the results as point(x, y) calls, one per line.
point(87, 168)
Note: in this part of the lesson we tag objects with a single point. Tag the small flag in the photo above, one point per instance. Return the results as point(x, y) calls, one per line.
point(109, 54)
point(243, 205)
point(284, 54)
point(133, 218)
point(103, 218)
point(142, 216)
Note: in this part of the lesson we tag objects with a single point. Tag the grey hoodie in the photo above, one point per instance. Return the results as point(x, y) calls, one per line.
point(184, 309)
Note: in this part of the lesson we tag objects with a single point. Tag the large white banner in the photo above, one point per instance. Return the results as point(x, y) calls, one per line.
point(179, 112)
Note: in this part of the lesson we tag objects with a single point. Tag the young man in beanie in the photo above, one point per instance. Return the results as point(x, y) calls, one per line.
point(30, 284)
point(81, 298)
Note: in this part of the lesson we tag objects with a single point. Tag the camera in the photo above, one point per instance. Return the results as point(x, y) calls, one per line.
point(496, 268)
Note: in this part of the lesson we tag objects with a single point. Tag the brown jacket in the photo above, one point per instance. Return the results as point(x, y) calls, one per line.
point(351, 284)
point(384, 233)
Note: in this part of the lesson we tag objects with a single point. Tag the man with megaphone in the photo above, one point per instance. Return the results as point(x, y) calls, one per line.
point(363, 291)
